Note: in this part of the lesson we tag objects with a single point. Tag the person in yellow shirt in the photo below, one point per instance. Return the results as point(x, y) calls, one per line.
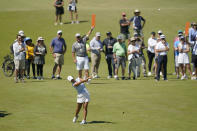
point(30, 57)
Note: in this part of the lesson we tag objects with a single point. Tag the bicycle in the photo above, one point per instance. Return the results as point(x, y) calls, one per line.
point(8, 66)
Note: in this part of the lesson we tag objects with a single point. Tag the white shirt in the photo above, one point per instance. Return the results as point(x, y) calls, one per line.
point(160, 46)
point(132, 48)
point(81, 89)
point(17, 54)
point(72, 3)
point(183, 47)
point(95, 46)
point(151, 44)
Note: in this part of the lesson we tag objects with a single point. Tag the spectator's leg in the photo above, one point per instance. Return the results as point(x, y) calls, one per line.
point(165, 60)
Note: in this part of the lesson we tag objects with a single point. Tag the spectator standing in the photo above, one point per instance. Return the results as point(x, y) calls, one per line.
point(19, 58)
point(162, 48)
point(176, 52)
point(59, 6)
point(30, 57)
point(124, 26)
point(58, 49)
point(96, 48)
point(109, 43)
point(72, 7)
point(194, 55)
point(183, 58)
point(40, 51)
point(152, 41)
point(133, 57)
point(120, 56)
point(142, 60)
point(79, 54)
point(138, 23)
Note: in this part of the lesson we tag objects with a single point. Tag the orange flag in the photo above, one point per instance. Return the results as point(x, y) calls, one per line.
point(187, 25)
point(93, 20)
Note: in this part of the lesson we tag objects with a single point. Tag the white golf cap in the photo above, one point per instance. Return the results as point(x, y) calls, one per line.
point(21, 33)
point(77, 35)
point(40, 38)
point(182, 37)
point(59, 31)
point(120, 37)
point(136, 11)
point(70, 78)
point(98, 34)
point(160, 32)
point(162, 37)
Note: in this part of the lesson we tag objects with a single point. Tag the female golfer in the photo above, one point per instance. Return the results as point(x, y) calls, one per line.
point(83, 97)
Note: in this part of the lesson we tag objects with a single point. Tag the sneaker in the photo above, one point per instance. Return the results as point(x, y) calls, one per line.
point(182, 77)
point(128, 78)
point(149, 73)
point(77, 22)
point(123, 78)
point(41, 78)
point(59, 78)
point(38, 78)
point(75, 119)
point(55, 23)
point(193, 73)
point(61, 23)
point(83, 122)
point(72, 22)
point(109, 77)
point(165, 79)
point(177, 77)
point(116, 77)
point(134, 78)
point(53, 77)
point(185, 76)
point(34, 77)
point(193, 78)
point(161, 73)
point(28, 77)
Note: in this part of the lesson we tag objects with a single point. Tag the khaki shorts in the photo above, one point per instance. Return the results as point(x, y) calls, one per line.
point(59, 59)
point(19, 64)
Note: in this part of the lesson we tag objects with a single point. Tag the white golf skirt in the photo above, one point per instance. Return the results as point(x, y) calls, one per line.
point(82, 98)
point(183, 58)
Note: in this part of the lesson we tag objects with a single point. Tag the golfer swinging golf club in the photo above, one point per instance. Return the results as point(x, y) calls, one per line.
point(83, 97)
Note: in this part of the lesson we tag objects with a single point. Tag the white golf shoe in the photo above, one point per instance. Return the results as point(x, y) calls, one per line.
point(75, 119)
point(149, 74)
point(83, 122)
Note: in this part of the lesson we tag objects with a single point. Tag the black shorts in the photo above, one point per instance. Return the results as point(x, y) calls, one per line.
point(72, 8)
point(195, 60)
point(59, 11)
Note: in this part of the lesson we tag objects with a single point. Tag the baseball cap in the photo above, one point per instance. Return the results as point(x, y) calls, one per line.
point(136, 11)
point(180, 32)
point(40, 38)
point(21, 33)
point(120, 37)
point(132, 39)
point(28, 39)
point(70, 78)
point(59, 32)
point(160, 32)
point(152, 33)
point(182, 37)
point(77, 35)
point(98, 34)
point(108, 33)
point(162, 37)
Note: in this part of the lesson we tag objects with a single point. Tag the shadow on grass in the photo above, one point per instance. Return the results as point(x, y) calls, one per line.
point(100, 122)
point(96, 83)
point(82, 21)
point(4, 114)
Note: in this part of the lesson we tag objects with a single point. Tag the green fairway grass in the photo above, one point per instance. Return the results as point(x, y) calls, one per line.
point(141, 105)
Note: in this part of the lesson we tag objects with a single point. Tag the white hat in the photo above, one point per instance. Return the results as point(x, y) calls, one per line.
point(136, 11)
point(21, 33)
point(120, 37)
point(98, 34)
point(59, 31)
point(160, 32)
point(70, 78)
point(40, 38)
point(77, 35)
point(182, 37)
point(162, 37)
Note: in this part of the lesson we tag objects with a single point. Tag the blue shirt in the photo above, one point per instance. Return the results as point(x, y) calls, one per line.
point(137, 21)
point(58, 44)
point(176, 43)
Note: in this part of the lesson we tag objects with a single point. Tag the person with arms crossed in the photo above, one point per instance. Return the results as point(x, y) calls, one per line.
point(162, 48)
point(109, 43)
point(83, 97)
point(79, 54)
point(19, 58)
point(58, 4)
point(124, 27)
point(194, 55)
point(58, 49)
point(120, 56)
point(73, 9)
